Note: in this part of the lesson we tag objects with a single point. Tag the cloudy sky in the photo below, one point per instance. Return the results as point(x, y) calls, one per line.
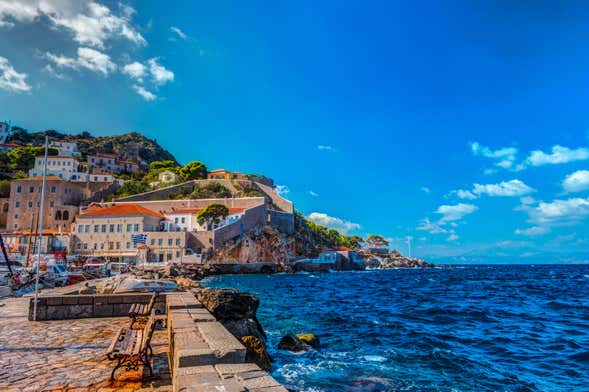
point(463, 126)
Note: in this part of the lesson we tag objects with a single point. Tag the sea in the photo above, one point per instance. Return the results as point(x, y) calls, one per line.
point(469, 328)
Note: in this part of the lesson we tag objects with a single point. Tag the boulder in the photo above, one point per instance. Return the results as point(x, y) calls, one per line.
point(310, 339)
point(229, 304)
point(293, 343)
point(256, 352)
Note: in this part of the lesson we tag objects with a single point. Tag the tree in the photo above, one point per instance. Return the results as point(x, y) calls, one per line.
point(165, 165)
point(210, 191)
point(132, 187)
point(352, 241)
point(23, 158)
point(213, 213)
point(376, 240)
point(193, 171)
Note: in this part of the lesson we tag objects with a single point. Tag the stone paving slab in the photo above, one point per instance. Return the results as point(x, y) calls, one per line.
point(68, 355)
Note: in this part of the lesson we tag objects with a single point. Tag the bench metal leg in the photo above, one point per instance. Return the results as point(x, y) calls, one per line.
point(112, 375)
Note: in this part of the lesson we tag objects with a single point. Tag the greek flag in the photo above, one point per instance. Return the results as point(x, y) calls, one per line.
point(139, 238)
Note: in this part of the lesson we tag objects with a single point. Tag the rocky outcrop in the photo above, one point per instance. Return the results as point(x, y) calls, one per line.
point(237, 312)
point(402, 262)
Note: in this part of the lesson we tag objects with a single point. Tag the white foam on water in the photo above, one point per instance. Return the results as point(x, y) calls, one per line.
point(375, 358)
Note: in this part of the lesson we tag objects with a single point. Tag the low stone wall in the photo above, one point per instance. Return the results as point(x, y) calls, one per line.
point(253, 217)
point(283, 221)
point(204, 356)
point(63, 307)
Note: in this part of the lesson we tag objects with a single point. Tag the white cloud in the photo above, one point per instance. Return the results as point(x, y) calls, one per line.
point(89, 22)
point(160, 74)
point(504, 157)
point(558, 154)
point(452, 237)
point(147, 95)
point(314, 194)
point(455, 212)
point(53, 72)
point(282, 190)
point(577, 181)
point(527, 200)
point(12, 80)
point(558, 212)
point(135, 70)
point(341, 225)
point(87, 58)
point(533, 231)
point(325, 147)
point(503, 189)
point(179, 32)
point(425, 189)
point(431, 227)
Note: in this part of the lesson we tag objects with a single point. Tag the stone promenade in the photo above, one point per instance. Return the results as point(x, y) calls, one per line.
point(68, 355)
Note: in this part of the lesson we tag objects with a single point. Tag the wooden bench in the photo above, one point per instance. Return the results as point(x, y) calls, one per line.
point(132, 347)
point(139, 311)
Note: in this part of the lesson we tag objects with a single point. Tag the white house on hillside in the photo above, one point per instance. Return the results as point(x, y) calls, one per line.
point(65, 148)
point(66, 167)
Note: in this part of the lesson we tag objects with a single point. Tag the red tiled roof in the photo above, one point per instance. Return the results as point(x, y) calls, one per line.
point(122, 209)
point(40, 178)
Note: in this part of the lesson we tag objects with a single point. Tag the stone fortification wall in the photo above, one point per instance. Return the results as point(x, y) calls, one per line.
point(283, 221)
point(253, 217)
point(169, 205)
point(162, 193)
point(279, 202)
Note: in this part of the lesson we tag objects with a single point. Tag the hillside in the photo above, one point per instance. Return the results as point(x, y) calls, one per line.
point(132, 146)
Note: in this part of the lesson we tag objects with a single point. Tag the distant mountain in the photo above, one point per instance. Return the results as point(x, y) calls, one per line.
point(132, 146)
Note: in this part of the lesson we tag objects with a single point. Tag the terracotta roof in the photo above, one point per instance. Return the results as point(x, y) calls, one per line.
point(40, 178)
point(122, 209)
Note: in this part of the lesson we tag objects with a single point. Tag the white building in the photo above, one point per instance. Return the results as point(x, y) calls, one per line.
point(65, 148)
point(185, 219)
point(4, 131)
point(66, 167)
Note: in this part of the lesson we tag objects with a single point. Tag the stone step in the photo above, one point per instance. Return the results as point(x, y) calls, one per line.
point(203, 379)
point(222, 342)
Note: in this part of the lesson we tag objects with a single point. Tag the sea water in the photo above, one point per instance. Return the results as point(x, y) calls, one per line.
point(474, 328)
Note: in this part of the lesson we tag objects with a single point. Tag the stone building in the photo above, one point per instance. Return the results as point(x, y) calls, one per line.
point(167, 177)
point(62, 199)
point(107, 231)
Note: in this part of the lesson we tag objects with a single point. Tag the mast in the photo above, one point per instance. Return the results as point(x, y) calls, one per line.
point(31, 237)
point(41, 215)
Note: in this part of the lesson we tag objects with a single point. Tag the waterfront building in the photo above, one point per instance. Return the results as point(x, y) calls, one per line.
point(109, 231)
point(62, 199)
point(165, 178)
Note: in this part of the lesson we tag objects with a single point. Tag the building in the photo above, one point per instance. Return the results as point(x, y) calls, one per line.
point(167, 177)
point(62, 199)
point(222, 174)
point(65, 148)
point(186, 219)
point(107, 231)
point(4, 131)
point(6, 147)
point(108, 163)
point(68, 168)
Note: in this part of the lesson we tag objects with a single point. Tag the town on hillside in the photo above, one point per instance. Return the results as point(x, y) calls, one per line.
point(117, 204)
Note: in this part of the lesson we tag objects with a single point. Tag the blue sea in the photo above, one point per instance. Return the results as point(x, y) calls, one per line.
point(475, 328)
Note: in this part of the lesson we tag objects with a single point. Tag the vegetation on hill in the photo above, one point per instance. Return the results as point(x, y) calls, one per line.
point(18, 162)
point(213, 213)
point(130, 145)
point(323, 236)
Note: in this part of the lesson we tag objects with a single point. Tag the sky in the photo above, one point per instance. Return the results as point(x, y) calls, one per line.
point(461, 125)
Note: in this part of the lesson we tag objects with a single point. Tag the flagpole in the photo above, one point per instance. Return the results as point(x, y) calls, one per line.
point(41, 215)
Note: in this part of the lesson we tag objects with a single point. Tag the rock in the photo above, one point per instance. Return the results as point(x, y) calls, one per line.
point(256, 352)
point(229, 304)
point(245, 327)
point(310, 339)
point(186, 283)
point(293, 343)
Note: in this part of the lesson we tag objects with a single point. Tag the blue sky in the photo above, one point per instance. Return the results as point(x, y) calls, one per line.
point(464, 126)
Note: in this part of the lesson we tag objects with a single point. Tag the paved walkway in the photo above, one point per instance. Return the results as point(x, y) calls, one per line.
point(68, 355)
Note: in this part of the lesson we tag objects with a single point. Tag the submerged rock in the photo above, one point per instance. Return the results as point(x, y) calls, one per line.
point(293, 343)
point(310, 339)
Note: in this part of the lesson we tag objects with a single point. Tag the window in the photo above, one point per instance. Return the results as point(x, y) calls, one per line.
point(95, 246)
point(57, 215)
point(51, 204)
point(87, 229)
point(136, 227)
point(66, 215)
point(128, 227)
point(80, 230)
point(128, 245)
point(119, 227)
point(169, 256)
point(19, 189)
point(170, 242)
point(152, 241)
point(15, 216)
point(111, 228)
point(160, 241)
point(111, 245)
point(17, 204)
point(30, 204)
point(183, 220)
point(53, 189)
point(31, 189)
point(176, 220)
point(118, 245)
point(102, 246)
point(103, 228)
point(96, 228)
point(177, 241)
point(85, 245)
point(79, 245)
point(177, 254)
